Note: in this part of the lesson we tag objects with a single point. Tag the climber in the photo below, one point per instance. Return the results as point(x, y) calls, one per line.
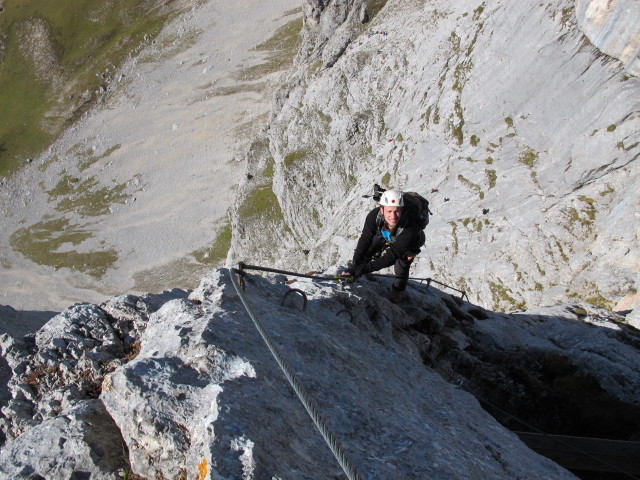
point(390, 236)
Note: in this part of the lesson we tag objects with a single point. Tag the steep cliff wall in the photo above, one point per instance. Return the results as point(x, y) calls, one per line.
point(612, 26)
point(523, 134)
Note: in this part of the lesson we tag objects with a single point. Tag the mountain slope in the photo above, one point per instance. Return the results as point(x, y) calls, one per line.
point(135, 195)
point(522, 133)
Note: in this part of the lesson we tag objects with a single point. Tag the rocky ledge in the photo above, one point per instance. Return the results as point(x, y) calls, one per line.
point(181, 385)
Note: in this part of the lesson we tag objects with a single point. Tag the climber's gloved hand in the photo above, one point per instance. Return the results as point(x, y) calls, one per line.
point(345, 277)
point(355, 271)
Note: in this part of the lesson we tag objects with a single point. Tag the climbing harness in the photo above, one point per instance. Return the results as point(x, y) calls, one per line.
point(312, 410)
point(386, 234)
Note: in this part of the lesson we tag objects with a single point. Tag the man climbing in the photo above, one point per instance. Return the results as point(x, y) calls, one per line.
point(390, 236)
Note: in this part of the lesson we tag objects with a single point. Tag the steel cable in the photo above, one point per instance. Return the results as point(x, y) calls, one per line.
point(332, 441)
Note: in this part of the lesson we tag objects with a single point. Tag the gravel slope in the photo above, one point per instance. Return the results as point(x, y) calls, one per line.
point(164, 144)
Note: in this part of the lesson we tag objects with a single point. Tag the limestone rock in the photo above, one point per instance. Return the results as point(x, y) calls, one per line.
point(613, 28)
point(82, 442)
point(204, 393)
point(634, 318)
point(204, 396)
point(461, 102)
point(65, 361)
point(58, 367)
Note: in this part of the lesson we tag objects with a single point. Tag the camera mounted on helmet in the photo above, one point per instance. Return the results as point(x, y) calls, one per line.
point(377, 192)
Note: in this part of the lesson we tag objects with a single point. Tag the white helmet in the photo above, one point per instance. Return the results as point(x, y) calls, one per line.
point(392, 198)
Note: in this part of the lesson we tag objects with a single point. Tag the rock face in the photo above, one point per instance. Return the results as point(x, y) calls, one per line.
point(83, 442)
point(520, 131)
point(68, 357)
point(201, 396)
point(526, 137)
point(613, 28)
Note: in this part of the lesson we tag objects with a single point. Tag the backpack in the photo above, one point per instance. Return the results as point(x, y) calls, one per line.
point(419, 208)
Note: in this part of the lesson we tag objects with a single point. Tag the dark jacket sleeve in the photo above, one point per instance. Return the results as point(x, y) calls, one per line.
point(404, 243)
point(366, 238)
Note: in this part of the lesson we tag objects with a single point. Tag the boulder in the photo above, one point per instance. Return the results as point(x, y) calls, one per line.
point(81, 442)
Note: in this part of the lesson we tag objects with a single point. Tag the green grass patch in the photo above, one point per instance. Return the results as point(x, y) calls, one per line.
point(457, 131)
point(472, 224)
point(170, 46)
point(471, 185)
point(567, 16)
point(268, 170)
point(292, 158)
point(374, 6)
point(477, 12)
point(454, 235)
point(611, 128)
point(563, 255)
point(474, 140)
point(55, 55)
point(590, 293)
point(64, 186)
point(47, 242)
point(47, 163)
point(503, 295)
point(217, 252)
point(315, 67)
point(87, 197)
point(589, 210)
point(492, 177)
point(529, 158)
point(386, 180)
point(88, 158)
point(598, 300)
point(262, 203)
point(239, 88)
point(509, 122)
point(281, 48)
point(607, 191)
point(586, 216)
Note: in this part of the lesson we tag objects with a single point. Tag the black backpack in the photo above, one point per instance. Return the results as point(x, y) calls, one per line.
point(418, 206)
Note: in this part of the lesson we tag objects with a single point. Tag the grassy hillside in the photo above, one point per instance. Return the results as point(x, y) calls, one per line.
point(57, 58)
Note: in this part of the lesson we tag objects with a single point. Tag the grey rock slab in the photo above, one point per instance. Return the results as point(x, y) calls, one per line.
point(82, 442)
point(60, 365)
point(79, 328)
point(205, 390)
